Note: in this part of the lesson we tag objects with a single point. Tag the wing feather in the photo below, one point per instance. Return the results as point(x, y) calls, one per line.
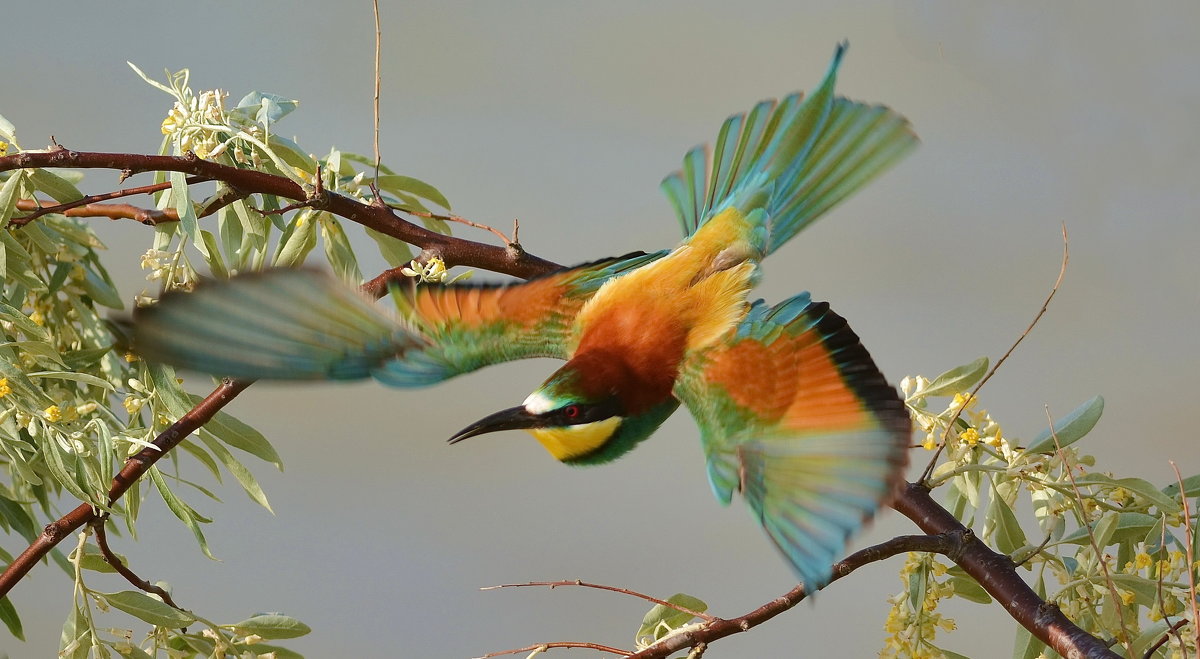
point(303, 324)
point(794, 414)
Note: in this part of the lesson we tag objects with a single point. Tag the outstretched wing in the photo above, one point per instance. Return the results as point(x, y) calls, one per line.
point(795, 415)
point(794, 159)
point(302, 324)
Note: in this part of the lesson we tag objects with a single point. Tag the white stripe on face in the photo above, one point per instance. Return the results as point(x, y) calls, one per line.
point(537, 403)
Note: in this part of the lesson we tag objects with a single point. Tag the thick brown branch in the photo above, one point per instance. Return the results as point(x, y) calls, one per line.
point(454, 251)
point(996, 573)
point(134, 468)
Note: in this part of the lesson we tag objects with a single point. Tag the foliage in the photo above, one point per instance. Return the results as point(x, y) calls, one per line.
point(74, 403)
point(1112, 552)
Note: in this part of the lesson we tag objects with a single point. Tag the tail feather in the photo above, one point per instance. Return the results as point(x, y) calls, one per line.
point(278, 324)
point(794, 159)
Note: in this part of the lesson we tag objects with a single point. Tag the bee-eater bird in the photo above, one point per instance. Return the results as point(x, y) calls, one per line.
point(792, 411)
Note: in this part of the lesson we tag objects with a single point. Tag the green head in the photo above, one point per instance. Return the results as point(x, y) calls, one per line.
point(576, 422)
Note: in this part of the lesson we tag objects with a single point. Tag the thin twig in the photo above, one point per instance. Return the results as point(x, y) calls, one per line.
point(87, 200)
point(625, 591)
point(462, 220)
point(378, 48)
point(1190, 554)
point(951, 544)
point(1173, 629)
point(1062, 270)
point(147, 216)
point(98, 525)
point(1122, 635)
point(542, 647)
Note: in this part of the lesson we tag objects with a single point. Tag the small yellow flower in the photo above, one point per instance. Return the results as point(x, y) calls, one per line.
point(52, 414)
point(964, 401)
point(4, 388)
point(1126, 596)
point(38, 317)
point(130, 357)
point(1143, 560)
point(133, 404)
point(929, 444)
point(997, 440)
point(3, 148)
point(970, 436)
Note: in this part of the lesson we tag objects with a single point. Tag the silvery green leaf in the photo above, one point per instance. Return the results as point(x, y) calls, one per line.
point(1128, 526)
point(10, 192)
point(82, 378)
point(264, 108)
point(1191, 488)
point(1070, 428)
point(297, 241)
point(229, 429)
point(338, 251)
point(239, 472)
point(149, 81)
point(7, 130)
point(273, 626)
point(659, 620)
point(395, 251)
point(148, 609)
point(8, 612)
point(398, 184)
point(957, 379)
point(180, 509)
point(1008, 535)
point(59, 188)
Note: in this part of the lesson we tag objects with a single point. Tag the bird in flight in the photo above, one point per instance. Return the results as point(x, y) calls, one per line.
point(792, 411)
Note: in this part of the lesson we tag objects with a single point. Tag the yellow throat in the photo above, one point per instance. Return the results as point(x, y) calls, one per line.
point(567, 442)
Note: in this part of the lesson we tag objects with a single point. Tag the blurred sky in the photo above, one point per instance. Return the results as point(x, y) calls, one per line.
point(566, 115)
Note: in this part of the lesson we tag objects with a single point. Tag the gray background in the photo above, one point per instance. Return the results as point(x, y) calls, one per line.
point(566, 115)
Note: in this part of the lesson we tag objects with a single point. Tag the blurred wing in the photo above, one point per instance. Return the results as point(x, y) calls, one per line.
point(795, 159)
point(300, 324)
point(795, 415)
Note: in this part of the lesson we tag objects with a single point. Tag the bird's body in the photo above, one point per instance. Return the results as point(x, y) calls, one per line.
point(792, 411)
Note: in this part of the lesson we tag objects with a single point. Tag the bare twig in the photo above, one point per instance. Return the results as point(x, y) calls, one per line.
point(378, 77)
point(148, 216)
point(1173, 629)
point(949, 544)
point(1062, 270)
point(98, 525)
point(555, 584)
point(542, 647)
point(462, 220)
point(1190, 549)
point(1122, 635)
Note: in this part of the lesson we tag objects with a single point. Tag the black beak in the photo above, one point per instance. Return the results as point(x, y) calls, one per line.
point(511, 419)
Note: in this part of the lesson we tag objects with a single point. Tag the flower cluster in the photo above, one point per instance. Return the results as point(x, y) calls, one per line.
point(913, 621)
point(1117, 547)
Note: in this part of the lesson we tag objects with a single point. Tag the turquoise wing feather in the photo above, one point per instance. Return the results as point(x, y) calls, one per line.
point(794, 159)
point(301, 324)
point(795, 415)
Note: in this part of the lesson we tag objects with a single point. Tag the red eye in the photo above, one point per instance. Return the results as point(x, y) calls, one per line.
point(571, 411)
